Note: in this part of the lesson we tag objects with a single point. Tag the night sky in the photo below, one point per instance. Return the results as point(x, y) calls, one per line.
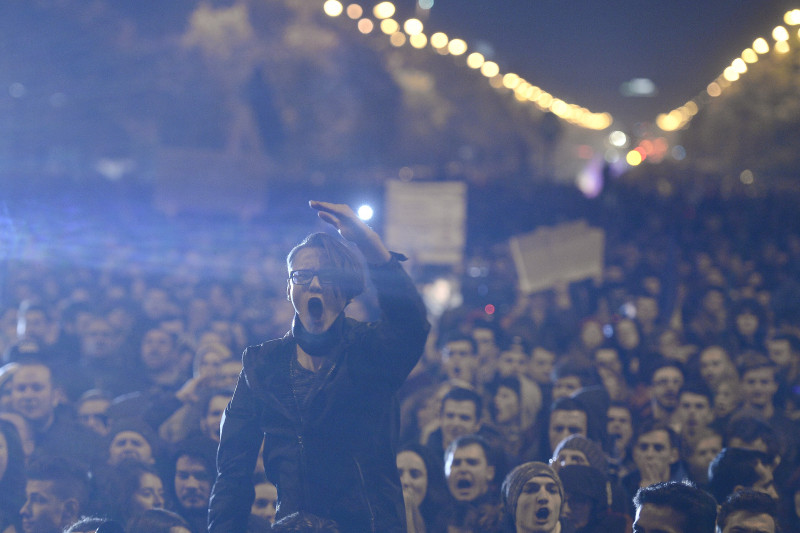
point(582, 51)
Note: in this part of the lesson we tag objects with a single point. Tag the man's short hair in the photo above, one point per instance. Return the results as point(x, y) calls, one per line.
point(749, 501)
point(306, 523)
point(733, 467)
point(650, 426)
point(569, 404)
point(463, 394)
point(468, 440)
point(751, 360)
point(579, 367)
point(791, 338)
point(351, 282)
point(458, 336)
point(663, 362)
point(69, 478)
point(698, 508)
point(698, 387)
point(749, 429)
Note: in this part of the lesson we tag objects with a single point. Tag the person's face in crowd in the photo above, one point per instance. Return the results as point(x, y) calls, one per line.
point(413, 477)
point(539, 506)
point(565, 423)
point(317, 304)
point(566, 386)
point(32, 393)
point(541, 365)
point(460, 361)
point(36, 326)
point(647, 308)
point(746, 323)
point(653, 453)
point(130, 445)
point(92, 415)
point(651, 518)
point(149, 495)
point(591, 334)
point(627, 334)
point(512, 363)
point(265, 502)
point(780, 352)
point(694, 411)
point(759, 387)
point(765, 482)
point(211, 421)
point(715, 365)
point(158, 350)
point(669, 346)
point(156, 304)
point(747, 522)
point(209, 363)
point(667, 382)
point(608, 358)
point(714, 302)
point(577, 510)
point(569, 457)
point(702, 455)
point(726, 399)
point(99, 341)
point(486, 343)
point(192, 483)
point(44, 511)
point(619, 427)
point(229, 374)
point(506, 402)
point(458, 418)
point(468, 473)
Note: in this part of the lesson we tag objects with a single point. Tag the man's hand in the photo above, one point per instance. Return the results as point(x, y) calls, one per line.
point(352, 228)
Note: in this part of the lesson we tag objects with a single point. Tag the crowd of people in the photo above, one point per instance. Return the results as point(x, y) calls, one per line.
point(579, 408)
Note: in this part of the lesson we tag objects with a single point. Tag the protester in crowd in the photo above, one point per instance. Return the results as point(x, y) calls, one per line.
point(327, 389)
point(586, 503)
point(471, 471)
point(748, 510)
point(533, 499)
point(425, 492)
point(57, 494)
point(674, 507)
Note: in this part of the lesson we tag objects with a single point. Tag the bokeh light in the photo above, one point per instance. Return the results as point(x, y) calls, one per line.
point(383, 10)
point(413, 26)
point(333, 8)
point(457, 47)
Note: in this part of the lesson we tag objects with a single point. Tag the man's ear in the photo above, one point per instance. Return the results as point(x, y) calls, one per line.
point(489, 473)
point(674, 455)
point(289, 290)
point(70, 511)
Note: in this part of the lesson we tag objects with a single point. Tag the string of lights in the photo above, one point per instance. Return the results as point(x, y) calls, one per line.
point(413, 33)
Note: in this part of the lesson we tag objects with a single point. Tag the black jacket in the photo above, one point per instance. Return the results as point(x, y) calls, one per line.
point(337, 460)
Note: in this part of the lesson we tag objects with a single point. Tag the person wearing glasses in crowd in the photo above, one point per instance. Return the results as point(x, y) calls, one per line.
point(322, 397)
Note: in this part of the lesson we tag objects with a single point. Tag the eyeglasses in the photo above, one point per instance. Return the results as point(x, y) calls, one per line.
point(304, 277)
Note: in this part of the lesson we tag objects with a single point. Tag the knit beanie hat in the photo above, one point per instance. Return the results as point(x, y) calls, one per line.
point(593, 452)
point(516, 479)
point(586, 481)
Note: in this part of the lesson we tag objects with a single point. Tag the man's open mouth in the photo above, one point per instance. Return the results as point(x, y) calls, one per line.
point(543, 513)
point(463, 484)
point(315, 308)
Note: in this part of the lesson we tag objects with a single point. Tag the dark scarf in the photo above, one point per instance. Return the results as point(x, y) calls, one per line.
point(318, 344)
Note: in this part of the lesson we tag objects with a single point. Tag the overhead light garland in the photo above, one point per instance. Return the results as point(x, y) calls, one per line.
point(412, 32)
